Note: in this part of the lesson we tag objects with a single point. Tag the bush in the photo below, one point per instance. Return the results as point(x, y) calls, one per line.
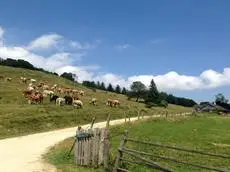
point(150, 104)
point(163, 103)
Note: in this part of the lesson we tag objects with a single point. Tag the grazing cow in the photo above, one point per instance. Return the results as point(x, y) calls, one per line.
point(30, 85)
point(45, 87)
point(60, 101)
point(30, 88)
point(75, 91)
point(68, 100)
point(41, 84)
point(59, 90)
point(75, 97)
point(68, 90)
point(112, 103)
point(81, 93)
point(2, 77)
point(27, 93)
point(116, 102)
point(77, 103)
point(23, 79)
point(47, 92)
point(93, 101)
point(53, 98)
point(8, 79)
point(36, 98)
point(32, 80)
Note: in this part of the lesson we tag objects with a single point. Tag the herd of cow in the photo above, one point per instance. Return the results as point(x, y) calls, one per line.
point(35, 94)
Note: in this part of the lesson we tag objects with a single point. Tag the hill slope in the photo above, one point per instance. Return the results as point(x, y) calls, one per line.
point(17, 117)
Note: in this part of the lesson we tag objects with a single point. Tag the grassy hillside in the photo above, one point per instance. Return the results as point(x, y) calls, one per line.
point(209, 133)
point(19, 118)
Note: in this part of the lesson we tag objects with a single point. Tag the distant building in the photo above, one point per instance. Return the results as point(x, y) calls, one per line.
point(210, 107)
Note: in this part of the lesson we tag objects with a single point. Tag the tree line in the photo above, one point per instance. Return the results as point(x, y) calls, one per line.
point(26, 65)
point(22, 64)
point(152, 97)
point(101, 86)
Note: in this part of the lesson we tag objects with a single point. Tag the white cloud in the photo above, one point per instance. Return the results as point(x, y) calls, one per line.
point(1, 32)
point(172, 81)
point(122, 47)
point(1, 35)
point(44, 41)
point(80, 46)
point(61, 62)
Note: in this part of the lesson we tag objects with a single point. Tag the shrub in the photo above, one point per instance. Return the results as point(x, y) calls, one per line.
point(163, 103)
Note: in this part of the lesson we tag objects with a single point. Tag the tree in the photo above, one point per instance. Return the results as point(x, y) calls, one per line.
point(102, 86)
point(68, 76)
point(118, 89)
point(110, 88)
point(138, 90)
point(124, 91)
point(222, 101)
point(153, 94)
point(220, 98)
point(98, 85)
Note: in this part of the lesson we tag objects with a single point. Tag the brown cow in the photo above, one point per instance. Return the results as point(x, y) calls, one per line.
point(36, 98)
point(112, 103)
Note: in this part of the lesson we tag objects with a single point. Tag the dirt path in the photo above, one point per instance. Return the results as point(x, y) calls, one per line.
point(24, 154)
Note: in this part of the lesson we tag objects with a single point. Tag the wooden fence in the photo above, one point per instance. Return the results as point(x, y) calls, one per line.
point(142, 160)
point(92, 146)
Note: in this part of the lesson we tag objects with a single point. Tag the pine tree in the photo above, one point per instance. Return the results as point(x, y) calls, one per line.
point(124, 91)
point(153, 94)
point(98, 85)
point(118, 89)
point(102, 87)
point(110, 88)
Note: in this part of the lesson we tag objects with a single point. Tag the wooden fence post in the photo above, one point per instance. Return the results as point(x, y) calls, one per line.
point(106, 145)
point(166, 114)
point(138, 115)
point(92, 123)
point(119, 154)
point(125, 116)
point(142, 115)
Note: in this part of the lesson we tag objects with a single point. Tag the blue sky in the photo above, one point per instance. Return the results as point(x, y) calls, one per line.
point(122, 41)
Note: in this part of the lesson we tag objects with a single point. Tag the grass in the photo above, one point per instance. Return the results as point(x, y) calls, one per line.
point(202, 133)
point(19, 118)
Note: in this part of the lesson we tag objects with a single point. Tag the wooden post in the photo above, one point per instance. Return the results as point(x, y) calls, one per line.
point(142, 115)
point(125, 116)
point(166, 114)
point(138, 115)
point(107, 121)
point(106, 149)
point(106, 145)
point(119, 154)
point(129, 117)
point(92, 123)
point(101, 148)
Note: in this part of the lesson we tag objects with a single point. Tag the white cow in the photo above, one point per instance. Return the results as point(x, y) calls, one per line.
point(60, 101)
point(47, 92)
point(77, 103)
point(30, 88)
point(32, 80)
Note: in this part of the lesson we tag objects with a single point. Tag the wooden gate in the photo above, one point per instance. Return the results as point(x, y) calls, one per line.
point(92, 147)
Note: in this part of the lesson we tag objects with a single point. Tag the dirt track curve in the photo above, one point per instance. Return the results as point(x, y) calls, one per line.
point(24, 154)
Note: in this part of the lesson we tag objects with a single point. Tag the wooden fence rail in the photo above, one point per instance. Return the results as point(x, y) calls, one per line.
point(140, 156)
point(180, 149)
